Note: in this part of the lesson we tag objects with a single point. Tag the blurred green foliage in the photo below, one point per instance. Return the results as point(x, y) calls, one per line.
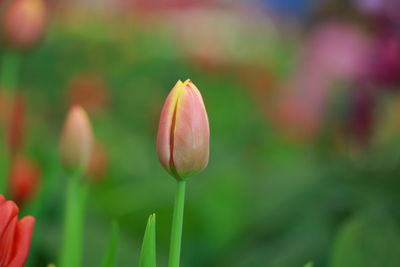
point(262, 201)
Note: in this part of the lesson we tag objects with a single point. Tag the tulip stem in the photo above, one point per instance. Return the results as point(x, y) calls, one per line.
point(177, 223)
point(71, 253)
point(10, 70)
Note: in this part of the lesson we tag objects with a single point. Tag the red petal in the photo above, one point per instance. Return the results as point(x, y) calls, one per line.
point(6, 242)
point(8, 210)
point(23, 237)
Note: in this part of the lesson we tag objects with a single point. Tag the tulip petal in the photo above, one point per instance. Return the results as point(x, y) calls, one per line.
point(166, 125)
point(77, 138)
point(7, 242)
point(22, 241)
point(8, 210)
point(191, 134)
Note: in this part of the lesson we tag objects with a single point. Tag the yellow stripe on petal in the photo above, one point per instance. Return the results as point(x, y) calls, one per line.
point(165, 130)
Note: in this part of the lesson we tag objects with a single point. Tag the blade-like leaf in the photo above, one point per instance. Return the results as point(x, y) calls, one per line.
point(111, 253)
point(368, 239)
point(309, 264)
point(148, 252)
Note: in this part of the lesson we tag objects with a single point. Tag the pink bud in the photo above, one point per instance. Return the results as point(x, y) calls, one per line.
point(76, 139)
point(24, 22)
point(183, 133)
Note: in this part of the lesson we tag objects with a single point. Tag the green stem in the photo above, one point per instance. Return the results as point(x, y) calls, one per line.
point(177, 223)
point(5, 166)
point(71, 253)
point(10, 70)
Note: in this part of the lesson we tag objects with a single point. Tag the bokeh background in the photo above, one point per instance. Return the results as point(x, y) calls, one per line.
point(304, 106)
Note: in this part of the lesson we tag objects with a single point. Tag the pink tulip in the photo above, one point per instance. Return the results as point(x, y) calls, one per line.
point(24, 22)
point(76, 139)
point(183, 133)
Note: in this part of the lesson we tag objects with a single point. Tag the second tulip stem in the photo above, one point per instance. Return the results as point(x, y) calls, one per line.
point(71, 253)
point(10, 70)
point(177, 223)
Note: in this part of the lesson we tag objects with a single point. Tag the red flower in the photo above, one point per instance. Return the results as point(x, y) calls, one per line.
point(98, 162)
point(24, 22)
point(15, 235)
point(24, 179)
point(89, 91)
point(16, 125)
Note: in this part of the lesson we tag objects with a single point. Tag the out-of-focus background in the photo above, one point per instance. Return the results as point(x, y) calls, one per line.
point(303, 99)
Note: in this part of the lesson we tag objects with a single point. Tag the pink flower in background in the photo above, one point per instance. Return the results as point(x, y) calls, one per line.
point(15, 235)
point(25, 22)
point(24, 179)
point(183, 133)
point(335, 52)
point(385, 61)
point(76, 139)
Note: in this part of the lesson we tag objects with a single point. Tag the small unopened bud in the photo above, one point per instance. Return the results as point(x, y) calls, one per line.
point(183, 133)
point(76, 139)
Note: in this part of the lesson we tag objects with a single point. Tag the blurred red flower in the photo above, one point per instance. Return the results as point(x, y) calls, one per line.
point(98, 162)
point(24, 22)
point(16, 124)
point(385, 67)
point(4, 107)
point(88, 91)
point(24, 179)
point(15, 235)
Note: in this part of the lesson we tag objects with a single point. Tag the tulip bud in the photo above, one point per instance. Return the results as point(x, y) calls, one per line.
point(76, 139)
point(15, 235)
point(24, 22)
point(183, 133)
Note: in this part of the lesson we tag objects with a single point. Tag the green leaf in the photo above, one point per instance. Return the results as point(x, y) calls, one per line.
point(148, 252)
point(367, 240)
point(309, 264)
point(110, 256)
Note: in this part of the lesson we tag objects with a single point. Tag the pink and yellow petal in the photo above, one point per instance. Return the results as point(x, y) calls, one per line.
point(191, 135)
point(166, 124)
